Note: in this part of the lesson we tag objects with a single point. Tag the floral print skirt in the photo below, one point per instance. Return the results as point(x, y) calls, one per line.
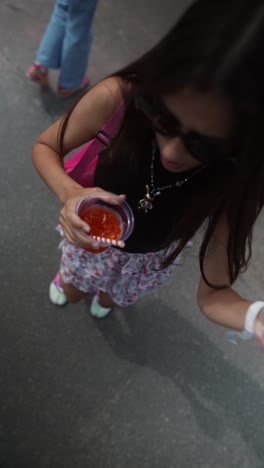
point(124, 276)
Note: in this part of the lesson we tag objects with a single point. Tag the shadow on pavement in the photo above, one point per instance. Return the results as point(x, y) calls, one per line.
point(195, 366)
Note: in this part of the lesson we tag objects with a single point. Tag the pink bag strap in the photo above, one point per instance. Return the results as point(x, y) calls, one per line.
point(102, 139)
point(111, 128)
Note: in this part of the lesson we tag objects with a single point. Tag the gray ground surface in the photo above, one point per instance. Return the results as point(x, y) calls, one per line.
point(156, 385)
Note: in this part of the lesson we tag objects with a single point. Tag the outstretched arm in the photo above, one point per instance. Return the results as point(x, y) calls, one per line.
point(224, 306)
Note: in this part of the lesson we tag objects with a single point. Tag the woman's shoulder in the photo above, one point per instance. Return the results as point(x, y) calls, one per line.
point(101, 102)
point(109, 93)
point(114, 89)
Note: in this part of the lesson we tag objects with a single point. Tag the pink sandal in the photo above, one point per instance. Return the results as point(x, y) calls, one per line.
point(39, 74)
point(67, 92)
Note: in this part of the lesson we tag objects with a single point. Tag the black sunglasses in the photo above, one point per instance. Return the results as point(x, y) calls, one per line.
point(206, 149)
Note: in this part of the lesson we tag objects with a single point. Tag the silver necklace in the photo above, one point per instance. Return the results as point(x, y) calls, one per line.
point(152, 192)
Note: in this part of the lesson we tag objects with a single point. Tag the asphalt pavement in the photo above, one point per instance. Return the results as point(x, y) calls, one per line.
point(153, 386)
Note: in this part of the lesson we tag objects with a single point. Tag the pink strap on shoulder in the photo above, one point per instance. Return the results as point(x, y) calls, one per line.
point(114, 123)
point(78, 165)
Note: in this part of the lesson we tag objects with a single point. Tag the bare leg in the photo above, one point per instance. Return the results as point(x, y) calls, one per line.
point(105, 300)
point(73, 294)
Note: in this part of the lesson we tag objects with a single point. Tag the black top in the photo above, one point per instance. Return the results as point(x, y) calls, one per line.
point(152, 228)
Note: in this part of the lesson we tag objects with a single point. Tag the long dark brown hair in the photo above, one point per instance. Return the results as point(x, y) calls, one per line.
point(217, 46)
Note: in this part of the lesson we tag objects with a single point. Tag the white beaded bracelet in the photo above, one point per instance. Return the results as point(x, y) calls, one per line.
point(251, 315)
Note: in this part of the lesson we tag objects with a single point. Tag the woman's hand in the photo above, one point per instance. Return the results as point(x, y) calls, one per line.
point(74, 228)
point(259, 328)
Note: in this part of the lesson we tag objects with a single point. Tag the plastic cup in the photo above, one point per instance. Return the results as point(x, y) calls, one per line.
point(102, 217)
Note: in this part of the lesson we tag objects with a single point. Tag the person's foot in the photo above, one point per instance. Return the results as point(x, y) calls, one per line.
point(96, 309)
point(68, 92)
point(56, 293)
point(39, 74)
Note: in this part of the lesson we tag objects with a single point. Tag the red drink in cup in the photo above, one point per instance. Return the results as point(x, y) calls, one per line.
point(106, 221)
point(103, 222)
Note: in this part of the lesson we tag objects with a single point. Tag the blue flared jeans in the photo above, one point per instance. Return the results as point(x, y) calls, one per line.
point(67, 41)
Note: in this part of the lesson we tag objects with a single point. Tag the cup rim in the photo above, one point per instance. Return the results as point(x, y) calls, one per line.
point(123, 205)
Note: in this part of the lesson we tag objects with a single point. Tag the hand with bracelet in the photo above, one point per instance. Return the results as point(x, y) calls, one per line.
point(254, 321)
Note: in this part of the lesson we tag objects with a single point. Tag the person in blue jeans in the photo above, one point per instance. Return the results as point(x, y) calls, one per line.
point(66, 45)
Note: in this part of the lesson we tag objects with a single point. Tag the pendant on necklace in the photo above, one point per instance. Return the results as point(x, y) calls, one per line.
point(146, 203)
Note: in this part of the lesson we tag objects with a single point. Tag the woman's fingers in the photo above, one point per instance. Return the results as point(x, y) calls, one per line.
point(97, 192)
point(76, 232)
point(75, 229)
point(80, 239)
point(109, 197)
point(71, 218)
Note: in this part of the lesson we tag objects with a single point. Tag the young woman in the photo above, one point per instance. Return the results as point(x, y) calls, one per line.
point(188, 152)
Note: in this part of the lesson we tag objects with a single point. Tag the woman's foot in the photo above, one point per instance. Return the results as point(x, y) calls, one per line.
point(39, 74)
point(68, 92)
point(101, 305)
point(56, 293)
